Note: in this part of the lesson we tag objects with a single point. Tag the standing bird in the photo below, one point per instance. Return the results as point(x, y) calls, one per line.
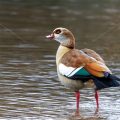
point(79, 68)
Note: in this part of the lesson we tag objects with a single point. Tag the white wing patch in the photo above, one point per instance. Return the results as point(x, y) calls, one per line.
point(68, 71)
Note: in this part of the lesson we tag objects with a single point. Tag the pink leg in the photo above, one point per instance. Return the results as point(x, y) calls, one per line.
point(77, 94)
point(97, 98)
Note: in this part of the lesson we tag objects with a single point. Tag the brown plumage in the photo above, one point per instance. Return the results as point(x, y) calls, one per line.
point(93, 54)
point(87, 58)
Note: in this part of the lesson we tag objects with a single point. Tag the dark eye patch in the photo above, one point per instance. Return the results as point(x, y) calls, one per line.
point(58, 31)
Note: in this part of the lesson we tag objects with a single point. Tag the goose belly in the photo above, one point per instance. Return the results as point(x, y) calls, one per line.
point(72, 84)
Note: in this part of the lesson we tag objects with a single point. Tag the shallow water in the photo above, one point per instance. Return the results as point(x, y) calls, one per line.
point(29, 87)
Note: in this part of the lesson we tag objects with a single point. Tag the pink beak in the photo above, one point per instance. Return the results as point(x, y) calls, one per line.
point(50, 36)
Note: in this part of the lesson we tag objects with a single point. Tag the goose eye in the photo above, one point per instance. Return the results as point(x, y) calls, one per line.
point(58, 31)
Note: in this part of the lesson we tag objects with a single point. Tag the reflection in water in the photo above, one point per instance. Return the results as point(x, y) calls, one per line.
point(29, 87)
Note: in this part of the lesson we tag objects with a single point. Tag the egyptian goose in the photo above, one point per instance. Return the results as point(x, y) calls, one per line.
point(78, 68)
